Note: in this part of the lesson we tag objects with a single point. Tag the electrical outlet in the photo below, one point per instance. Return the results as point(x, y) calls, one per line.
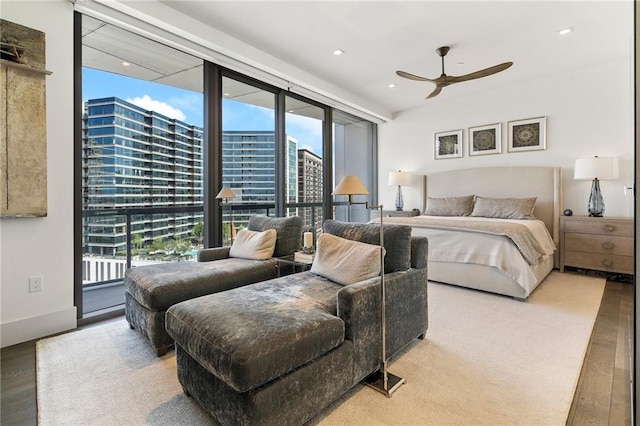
point(35, 284)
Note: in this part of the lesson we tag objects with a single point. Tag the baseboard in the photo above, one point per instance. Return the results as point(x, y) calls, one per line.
point(26, 329)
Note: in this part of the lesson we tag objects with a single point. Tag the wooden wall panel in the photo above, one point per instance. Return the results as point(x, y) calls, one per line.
point(23, 128)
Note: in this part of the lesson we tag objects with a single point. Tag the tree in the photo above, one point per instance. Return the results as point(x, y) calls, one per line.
point(136, 241)
point(198, 231)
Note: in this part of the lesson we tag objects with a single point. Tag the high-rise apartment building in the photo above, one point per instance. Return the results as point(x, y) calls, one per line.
point(249, 169)
point(134, 158)
point(310, 184)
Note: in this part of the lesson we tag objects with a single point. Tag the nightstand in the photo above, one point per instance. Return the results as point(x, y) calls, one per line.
point(394, 213)
point(600, 243)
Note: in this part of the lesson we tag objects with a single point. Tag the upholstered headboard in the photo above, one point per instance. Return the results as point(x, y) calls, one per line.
point(503, 182)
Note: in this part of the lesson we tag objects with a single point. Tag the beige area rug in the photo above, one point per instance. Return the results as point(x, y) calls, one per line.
point(486, 360)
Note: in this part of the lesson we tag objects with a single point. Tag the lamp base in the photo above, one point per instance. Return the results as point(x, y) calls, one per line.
point(399, 200)
point(376, 381)
point(595, 207)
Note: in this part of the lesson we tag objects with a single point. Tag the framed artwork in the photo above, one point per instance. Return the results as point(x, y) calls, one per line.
point(485, 139)
point(448, 144)
point(527, 135)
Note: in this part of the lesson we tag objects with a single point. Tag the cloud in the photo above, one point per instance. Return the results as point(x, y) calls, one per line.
point(158, 106)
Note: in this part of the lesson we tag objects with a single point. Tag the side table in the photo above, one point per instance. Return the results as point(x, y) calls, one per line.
point(288, 265)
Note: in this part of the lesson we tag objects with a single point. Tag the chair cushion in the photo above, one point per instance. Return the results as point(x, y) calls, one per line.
point(289, 230)
point(397, 240)
point(345, 261)
point(257, 245)
point(254, 334)
point(157, 287)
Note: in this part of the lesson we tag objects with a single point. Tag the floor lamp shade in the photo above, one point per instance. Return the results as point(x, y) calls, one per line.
point(596, 168)
point(400, 179)
point(350, 185)
point(226, 193)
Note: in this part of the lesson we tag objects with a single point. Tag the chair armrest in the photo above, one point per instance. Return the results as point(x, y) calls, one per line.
point(405, 310)
point(419, 252)
point(216, 253)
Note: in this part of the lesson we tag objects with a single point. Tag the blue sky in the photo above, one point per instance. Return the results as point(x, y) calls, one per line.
point(187, 106)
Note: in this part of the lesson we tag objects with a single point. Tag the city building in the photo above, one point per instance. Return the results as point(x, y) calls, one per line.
point(310, 185)
point(134, 158)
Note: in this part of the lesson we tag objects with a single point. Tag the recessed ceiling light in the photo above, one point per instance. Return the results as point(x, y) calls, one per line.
point(338, 52)
point(226, 94)
point(565, 31)
point(125, 64)
point(391, 85)
point(460, 63)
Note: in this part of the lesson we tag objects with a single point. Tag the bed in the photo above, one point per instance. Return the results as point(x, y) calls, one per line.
point(486, 259)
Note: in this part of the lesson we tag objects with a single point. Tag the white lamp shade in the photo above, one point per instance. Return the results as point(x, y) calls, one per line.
point(596, 167)
point(350, 185)
point(226, 193)
point(399, 178)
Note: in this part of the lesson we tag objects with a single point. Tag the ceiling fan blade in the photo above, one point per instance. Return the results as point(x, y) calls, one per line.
point(435, 92)
point(413, 76)
point(478, 74)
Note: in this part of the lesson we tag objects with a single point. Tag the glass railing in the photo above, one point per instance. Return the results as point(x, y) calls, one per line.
point(117, 239)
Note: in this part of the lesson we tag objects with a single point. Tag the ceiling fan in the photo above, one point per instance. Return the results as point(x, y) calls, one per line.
point(446, 80)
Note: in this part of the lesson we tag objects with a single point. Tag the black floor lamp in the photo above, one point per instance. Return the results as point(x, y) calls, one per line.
point(381, 380)
point(224, 195)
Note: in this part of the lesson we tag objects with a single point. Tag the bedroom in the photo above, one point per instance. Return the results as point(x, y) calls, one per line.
point(583, 120)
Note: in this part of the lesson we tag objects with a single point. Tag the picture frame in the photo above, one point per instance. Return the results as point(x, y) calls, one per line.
point(527, 135)
point(485, 139)
point(447, 144)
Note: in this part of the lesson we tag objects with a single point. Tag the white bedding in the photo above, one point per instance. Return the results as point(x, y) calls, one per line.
point(484, 249)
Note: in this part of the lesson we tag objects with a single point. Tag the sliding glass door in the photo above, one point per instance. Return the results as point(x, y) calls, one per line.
point(304, 183)
point(354, 153)
point(149, 162)
point(248, 154)
point(142, 135)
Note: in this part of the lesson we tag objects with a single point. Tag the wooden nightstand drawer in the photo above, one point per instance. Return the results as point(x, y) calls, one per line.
point(600, 226)
point(600, 243)
point(600, 262)
point(605, 244)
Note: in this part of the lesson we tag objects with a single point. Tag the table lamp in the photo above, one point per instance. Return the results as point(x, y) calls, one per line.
point(399, 178)
point(596, 168)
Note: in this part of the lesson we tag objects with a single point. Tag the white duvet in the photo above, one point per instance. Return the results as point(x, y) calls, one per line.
point(485, 249)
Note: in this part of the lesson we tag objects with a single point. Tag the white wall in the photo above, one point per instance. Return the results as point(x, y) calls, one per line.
point(44, 246)
point(589, 112)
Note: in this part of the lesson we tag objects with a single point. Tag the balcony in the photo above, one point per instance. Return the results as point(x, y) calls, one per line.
point(108, 253)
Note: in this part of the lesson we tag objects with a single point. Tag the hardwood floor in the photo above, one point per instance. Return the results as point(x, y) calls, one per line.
point(603, 394)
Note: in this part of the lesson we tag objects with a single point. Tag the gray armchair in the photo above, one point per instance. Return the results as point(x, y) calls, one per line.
point(151, 290)
point(279, 351)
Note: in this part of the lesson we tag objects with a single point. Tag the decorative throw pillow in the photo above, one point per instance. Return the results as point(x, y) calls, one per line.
point(449, 206)
point(504, 208)
point(289, 230)
point(397, 240)
point(253, 244)
point(345, 261)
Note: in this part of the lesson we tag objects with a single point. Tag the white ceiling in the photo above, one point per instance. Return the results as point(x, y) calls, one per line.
point(381, 37)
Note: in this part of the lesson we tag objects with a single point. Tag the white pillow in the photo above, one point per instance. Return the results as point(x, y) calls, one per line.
point(345, 261)
point(253, 244)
